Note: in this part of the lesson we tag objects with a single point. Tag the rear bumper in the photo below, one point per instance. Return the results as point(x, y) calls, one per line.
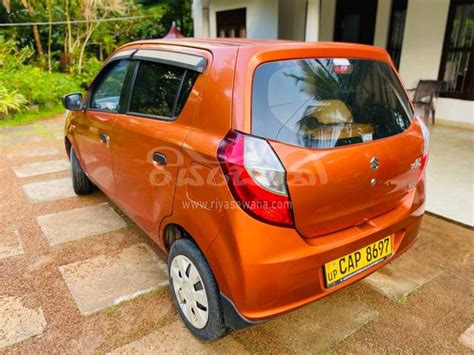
point(264, 271)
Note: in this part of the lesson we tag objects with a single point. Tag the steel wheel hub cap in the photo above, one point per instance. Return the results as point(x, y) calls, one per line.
point(189, 290)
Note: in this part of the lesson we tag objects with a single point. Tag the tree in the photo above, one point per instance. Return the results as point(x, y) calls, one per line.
point(174, 10)
point(95, 12)
point(28, 5)
point(84, 22)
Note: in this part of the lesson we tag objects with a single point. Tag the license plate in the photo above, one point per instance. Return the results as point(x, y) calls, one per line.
point(341, 269)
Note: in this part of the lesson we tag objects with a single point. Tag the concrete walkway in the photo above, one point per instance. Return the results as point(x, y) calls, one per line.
point(77, 276)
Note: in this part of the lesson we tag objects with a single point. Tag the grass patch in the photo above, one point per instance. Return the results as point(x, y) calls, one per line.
point(31, 116)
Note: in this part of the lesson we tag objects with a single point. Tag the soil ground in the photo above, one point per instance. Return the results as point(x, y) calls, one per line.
point(38, 312)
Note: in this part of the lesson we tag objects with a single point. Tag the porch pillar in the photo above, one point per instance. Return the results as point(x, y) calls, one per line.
point(200, 11)
point(312, 20)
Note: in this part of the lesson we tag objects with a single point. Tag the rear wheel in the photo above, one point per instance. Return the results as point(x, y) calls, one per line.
point(195, 291)
point(80, 182)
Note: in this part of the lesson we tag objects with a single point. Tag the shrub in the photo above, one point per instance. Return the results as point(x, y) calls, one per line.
point(38, 86)
point(11, 101)
point(11, 56)
point(89, 70)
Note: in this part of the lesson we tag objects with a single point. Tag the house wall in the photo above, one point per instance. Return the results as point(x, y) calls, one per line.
point(382, 23)
point(328, 16)
point(292, 19)
point(326, 24)
point(453, 112)
point(425, 27)
point(423, 40)
point(312, 21)
point(262, 16)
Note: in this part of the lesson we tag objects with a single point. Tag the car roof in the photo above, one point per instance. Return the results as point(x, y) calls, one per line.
point(255, 44)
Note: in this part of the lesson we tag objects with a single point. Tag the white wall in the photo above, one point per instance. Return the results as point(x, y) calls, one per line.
point(200, 13)
point(312, 21)
point(328, 17)
point(382, 23)
point(326, 25)
point(455, 112)
point(291, 19)
point(423, 40)
point(421, 55)
point(262, 16)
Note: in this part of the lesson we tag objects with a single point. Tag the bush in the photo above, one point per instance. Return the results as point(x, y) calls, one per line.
point(11, 101)
point(90, 69)
point(38, 86)
point(11, 56)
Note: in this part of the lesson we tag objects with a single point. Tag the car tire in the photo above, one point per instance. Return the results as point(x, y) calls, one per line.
point(184, 251)
point(80, 182)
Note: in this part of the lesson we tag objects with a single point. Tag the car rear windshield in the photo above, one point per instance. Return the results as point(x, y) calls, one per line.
point(328, 102)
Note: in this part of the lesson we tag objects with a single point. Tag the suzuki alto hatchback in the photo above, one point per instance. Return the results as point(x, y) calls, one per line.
point(272, 173)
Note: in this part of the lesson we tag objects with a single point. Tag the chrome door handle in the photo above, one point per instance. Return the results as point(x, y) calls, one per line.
point(104, 138)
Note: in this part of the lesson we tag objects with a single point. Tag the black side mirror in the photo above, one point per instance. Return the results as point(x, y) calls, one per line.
point(73, 102)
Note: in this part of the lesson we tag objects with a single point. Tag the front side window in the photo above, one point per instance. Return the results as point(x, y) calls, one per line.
point(161, 90)
point(325, 102)
point(106, 93)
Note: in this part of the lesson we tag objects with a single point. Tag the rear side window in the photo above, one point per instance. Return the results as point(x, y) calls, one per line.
point(161, 90)
point(325, 103)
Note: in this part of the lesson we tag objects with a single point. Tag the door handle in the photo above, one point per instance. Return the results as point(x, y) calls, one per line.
point(104, 138)
point(159, 158)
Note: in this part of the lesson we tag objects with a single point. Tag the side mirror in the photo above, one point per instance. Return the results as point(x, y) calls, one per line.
point(73, 102)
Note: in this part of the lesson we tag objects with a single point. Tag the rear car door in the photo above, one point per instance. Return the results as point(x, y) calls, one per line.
point(148, 136)
point(95, 125)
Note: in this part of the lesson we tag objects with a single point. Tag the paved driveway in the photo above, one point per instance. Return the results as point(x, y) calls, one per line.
point(77, 276)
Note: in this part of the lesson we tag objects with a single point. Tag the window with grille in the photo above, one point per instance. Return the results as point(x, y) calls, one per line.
point(457, 62)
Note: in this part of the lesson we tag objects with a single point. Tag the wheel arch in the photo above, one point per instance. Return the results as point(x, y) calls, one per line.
point(232, 318)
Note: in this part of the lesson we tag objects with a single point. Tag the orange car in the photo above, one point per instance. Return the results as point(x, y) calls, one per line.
point(272, 173)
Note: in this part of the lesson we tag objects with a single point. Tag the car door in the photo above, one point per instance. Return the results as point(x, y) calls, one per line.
point(149, 135)
point(95, 125)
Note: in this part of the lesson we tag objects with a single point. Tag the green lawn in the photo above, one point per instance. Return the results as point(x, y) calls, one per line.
point(30, 116)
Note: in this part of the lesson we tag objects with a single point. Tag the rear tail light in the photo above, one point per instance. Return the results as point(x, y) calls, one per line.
point(426, 143)
point(256, 178)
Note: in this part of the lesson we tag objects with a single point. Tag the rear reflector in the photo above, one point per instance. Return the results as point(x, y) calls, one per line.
point(256, 178)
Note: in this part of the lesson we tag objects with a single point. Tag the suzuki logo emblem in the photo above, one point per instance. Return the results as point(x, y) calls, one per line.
point(374, 163)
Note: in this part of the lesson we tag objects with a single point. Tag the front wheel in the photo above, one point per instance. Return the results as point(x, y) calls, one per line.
point(80, 182)
point(195, 291)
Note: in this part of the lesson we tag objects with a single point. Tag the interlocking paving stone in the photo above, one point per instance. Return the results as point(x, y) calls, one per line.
point(42, 167)
point(400, 278)
point(18, 130)
point(321, 325)
point(18, 323)
point(107, 280)
point(79, 223)
point(10, 243)
point(33, 152)
point(54, 126)
point(176, 339)
point(467, 338)
point(14, 140)
point(49, 190)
